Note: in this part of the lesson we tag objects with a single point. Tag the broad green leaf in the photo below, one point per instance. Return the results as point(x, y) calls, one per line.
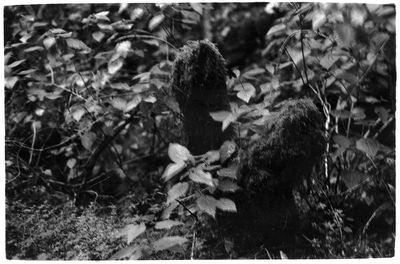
point(26, 72)
point(10, 82)
point(49, 42)
point(353, 178)
point(119, 103)
point(168, 211)
point(383, 113)
point(227, 149)
point(342, 141)
point(102, 15)
point(78, 113)
point(226, 205)
point(368, 146)
point(220, 115)
point(32, 49)
point(178, 153)
point(168, 242)
point(276, 29)
point(318, 19)
point(178, 190)
point(88, 139)
point(115, 65)
point(211, 156)
point(230, 172)
point(150, 99)
point(283, 255)
point(358, 113)
point(172, 170)
point(227, 186)
point(16, 63)
point(120, 86)
point(57, 31)
point(98, 36)
point(345, 34)
point(167, 224)
point(132, 231)
point(155, 21)
point(197, 7)
point(76, 44)
point(328, 60)
point(127, 252)
point(198, 175)
point(225, 117)
point(71, 163)
point(123, 48)
point(207, 204)
point(133, 103)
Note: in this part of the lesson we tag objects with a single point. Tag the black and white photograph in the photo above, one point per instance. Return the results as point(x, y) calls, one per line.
point(199, 130)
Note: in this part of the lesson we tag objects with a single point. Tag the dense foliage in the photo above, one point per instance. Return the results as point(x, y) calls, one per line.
point(92, 126)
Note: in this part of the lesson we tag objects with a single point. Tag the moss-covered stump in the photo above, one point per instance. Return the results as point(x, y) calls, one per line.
point(199, 85)
point(271, 167)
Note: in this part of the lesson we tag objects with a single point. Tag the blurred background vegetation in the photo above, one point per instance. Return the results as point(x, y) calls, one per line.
point(89, 116)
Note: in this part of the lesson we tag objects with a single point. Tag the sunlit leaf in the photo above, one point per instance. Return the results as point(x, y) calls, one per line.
point(155, 21)
point(34, 48)
point(119, 103)
point(276, 29)
point(115, 65)
point(16, 63)
point(178, 190)
point(150, 99)
point(167, 224)
point(207, 204)
point(283, 255)
point(123, 48)
point(220, 115)
point(133, 103)
point(132, 231)
point(226, 205)
point(199, 176)
point(98, 36)
point(10, 82)
point(318, 19)
point(120, 86)
point(178, 153)
point(168, 242)
point(127, 252)
point(197, 7)
point(227, 149)
point(211, 156)
point(71, 163)
point(76, 44)
point(49, 42)
point(172, 170)
point(102, 15)
point(78, 114)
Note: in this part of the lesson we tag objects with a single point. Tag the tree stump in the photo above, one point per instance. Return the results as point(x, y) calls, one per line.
point(270, 167)
point(198, 83)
